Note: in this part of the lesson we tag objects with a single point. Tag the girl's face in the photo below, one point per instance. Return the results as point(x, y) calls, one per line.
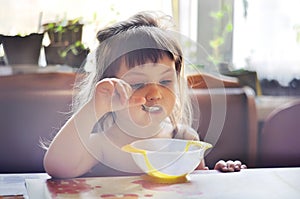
point(156, 82)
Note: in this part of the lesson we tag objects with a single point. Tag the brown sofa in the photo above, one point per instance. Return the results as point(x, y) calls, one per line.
point(228, 121)
point(278, 144)
point(227, 117)
point(35, 106)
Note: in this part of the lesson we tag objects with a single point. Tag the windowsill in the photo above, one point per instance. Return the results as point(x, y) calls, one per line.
point(22, 69)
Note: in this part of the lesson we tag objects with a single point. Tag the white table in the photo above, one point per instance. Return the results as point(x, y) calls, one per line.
point(250, 183)
point(14, 184)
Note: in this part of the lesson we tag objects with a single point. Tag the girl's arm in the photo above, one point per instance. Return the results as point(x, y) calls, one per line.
point(68, 155)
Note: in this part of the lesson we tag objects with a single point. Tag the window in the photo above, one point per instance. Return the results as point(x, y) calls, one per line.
point(27, 16)
point(267, 40)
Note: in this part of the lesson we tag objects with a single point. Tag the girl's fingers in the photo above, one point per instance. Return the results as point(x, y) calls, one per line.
point(237, 165)
point(220, 165)
point(136, 101)
point(115, 94)
point(230, 165)
point(122, 91)
point(122, 96)
point(243, 166)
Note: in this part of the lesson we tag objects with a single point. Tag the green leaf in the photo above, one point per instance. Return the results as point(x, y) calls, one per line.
point(217, 15)
point(216, 42)
point(63, 54)
point(59, 28)
point(229, 27)
point(50, 26)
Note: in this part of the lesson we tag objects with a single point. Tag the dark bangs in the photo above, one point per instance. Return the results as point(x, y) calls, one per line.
point(139, 46)
point(142, 56)
point(138, 57)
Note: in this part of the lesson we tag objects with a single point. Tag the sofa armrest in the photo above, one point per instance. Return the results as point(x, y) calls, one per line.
point(227, 119)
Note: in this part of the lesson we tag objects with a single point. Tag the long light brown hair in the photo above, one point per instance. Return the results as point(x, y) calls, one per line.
point(142, 38)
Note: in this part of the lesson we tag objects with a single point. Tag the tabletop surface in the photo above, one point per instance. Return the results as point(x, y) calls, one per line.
point(249, 183)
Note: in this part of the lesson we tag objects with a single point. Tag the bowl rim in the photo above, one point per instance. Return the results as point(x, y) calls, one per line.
point(199, 148)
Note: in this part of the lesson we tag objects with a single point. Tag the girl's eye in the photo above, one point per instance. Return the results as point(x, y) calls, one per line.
point(165, 82)
point(137, 86)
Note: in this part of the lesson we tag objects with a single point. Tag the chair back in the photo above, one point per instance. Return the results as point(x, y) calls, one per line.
point(279, 143)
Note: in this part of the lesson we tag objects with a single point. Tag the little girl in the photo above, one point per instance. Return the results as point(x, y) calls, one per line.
point(137, 91)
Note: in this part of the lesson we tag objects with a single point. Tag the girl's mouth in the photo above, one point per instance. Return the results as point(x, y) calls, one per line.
point(151, 109)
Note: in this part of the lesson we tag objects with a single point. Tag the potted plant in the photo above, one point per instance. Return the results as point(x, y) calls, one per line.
point(220, 35)
point(75, 54)
point(22, 49)
point(65, 42)
point(52, 54)
point(64, 31)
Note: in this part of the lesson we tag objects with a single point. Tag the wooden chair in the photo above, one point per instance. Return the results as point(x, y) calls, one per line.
point(279, 143)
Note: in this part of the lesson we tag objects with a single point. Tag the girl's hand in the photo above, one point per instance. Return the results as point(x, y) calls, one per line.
point(229, 166)
point(112, 94)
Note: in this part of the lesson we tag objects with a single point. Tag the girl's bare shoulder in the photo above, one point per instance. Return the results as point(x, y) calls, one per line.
point(186, 132)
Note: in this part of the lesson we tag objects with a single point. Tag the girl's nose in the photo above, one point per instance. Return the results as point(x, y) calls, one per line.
point(153, 93)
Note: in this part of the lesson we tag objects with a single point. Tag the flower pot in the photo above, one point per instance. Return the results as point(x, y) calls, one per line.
point(246, 78)
point(22, 49)
point(76, 60)
point(52, 54)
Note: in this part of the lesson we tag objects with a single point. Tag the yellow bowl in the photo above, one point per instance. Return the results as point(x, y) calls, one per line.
point(168, 159)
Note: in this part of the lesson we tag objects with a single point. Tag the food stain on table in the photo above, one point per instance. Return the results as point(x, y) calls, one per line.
point(190, 188)
point(124, 196)
point(104, 190)
point(73, 187)
point(70, 186)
